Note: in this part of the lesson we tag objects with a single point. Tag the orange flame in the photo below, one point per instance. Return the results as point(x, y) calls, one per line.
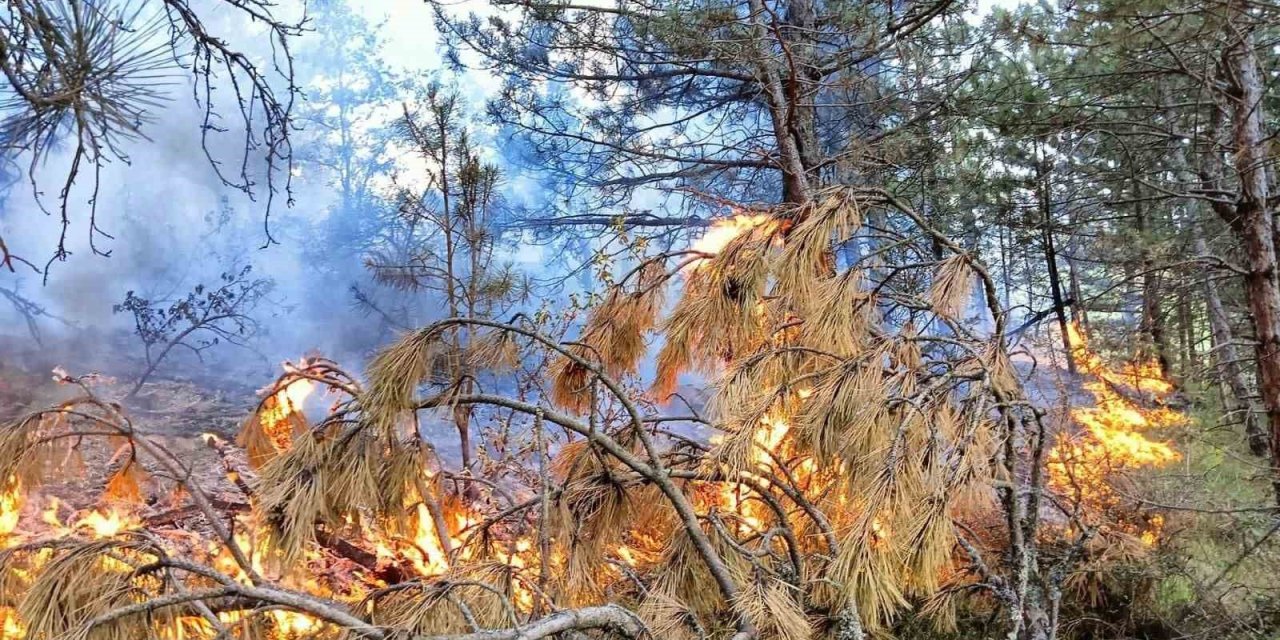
point(430, 558)
point(10, 506)
point(277, 410)
point(106, 524)
point(723, 230)
point(769, 439)
point(10, 627)
point(1115, 433)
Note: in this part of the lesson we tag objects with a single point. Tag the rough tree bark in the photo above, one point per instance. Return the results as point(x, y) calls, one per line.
point(1253, 223)
point(1236, 396)
point(1152, 323)
point(783, 106)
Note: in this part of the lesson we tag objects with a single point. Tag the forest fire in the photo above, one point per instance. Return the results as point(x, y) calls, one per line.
point(94, 524)
point(723, 230)
point(836, 458)
point(10, 503)
point(287, 401)
point(99, 523)
point(25, 524)
point(768, 446)
point(279, 411)
point(1116, 436)
point(431, 537)
point(674, 320)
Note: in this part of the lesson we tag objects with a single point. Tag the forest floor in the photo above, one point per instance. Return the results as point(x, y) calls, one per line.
point(1209, 498)
point(174, 414)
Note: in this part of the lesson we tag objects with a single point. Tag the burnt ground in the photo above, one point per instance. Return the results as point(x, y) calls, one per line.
point(173, 413)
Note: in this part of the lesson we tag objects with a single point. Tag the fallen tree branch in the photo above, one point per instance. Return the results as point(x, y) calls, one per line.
point(610, 616)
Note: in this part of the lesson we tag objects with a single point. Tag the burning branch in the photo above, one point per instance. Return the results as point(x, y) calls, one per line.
point(861, 428)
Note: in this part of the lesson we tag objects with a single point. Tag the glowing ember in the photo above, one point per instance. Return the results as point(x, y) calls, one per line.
point(1115, 437)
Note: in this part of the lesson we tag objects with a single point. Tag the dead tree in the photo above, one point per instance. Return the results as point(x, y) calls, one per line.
point(202, 319)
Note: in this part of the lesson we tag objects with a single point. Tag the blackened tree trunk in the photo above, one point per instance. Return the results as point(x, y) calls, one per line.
point(1051, 258)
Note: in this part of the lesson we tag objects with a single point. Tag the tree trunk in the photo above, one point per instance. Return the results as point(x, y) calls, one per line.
point(1051, 261)
point(783, 101)
point(805, 81)
point(1236, 399)
point(1153, 319)
point(1255, 227)
point(1152, 322)
point(1079, 314)
point(1186, 332)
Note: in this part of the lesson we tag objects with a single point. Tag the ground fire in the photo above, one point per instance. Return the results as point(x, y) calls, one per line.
point(1117, 437)
point(852, 460)
point(618, 320)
